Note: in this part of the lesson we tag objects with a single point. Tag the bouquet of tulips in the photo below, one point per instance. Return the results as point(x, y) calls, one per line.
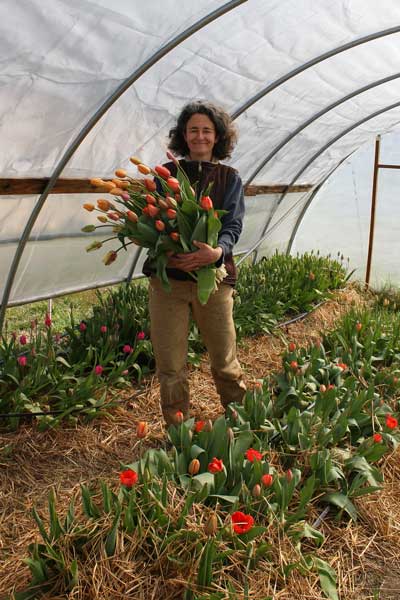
point(165, 217)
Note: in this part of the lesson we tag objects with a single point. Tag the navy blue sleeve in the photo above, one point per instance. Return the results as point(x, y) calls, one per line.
point(232, 223)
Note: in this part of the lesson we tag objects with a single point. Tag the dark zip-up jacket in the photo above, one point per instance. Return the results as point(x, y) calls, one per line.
point(227, 194)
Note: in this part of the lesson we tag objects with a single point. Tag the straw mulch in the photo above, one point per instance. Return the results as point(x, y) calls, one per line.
point(365, 555)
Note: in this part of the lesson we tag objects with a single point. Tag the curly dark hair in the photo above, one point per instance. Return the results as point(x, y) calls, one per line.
point(224, 128)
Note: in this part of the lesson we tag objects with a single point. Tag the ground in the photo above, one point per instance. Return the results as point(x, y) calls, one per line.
point(366, 555)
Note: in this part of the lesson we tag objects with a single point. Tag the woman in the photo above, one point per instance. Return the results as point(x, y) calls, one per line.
point(203, 135)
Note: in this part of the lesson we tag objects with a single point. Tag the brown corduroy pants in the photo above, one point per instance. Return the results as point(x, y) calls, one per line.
point(169, 317)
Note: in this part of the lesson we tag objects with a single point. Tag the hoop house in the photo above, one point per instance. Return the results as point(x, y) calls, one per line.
point(86, 85)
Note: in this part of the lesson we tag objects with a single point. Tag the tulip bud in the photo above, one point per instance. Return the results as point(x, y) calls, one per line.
point(135, 160)
point(311, 276)
point(150, 185)
point(150, 199)
point(208, 426)
point(322, 388)
point(256, 491)
point(113, 216)
point(194, 467)
point(144, 169)
point(230, 435)
point(132, 216)
point(294, 365)
point(160, 226)
point(267, 480)
point(173, 184)
point(102, 219)
point(97, 182)
point(110, 257)
point(162, 171)
point(104, 204)
point(211, 526)
point(88, 228)
point(206, 203)
point(151, 210)
point(120, 173)
point(171, 213)
point(115, 191)
point(94, 246)
point(179, 417)
point(289, 475)
point(358, 326)
point(108, 185)
point(172, 203)
point(89, 207)
point(142, 429)
point(292, 347)
point(162, 203)
point(174, 235)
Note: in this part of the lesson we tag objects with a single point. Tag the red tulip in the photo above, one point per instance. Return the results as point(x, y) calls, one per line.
point(294, 365)
point(23, 340)
point(82, 326)
point(160, 226)
point(151, 211)
point(174, 235)
point(216, 465)
point(127, 349)
point(267, 480)
point(150, 185)
point(241, 522)
point(377, 438)
point(253, 455)
point(391, 422)
point(292, 347)
point(179, 417)
point(173, 184)
point(128, 478)
point(358, 326)
point(289, 475)
point(206, 203)
point(22, 361)
point(150, 199)
point(47, 320)
point(171, 213)
point(98, 370)
point(198, 426)
point(162, 171)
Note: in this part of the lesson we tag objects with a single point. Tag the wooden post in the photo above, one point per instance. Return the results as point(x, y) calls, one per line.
point(373, 207)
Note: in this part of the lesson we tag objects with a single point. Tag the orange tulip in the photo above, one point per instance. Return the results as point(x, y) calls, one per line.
point(88, 207)
point(132, 216)
point(151, 211)
point(97, 182)
point(160, 226)
point(206, 203)
point(174, 235)
point(103, 204)
point(142, 429)
point(162, 171)
point(144, 169)
point(194, 467)
point(108, 185)
point(173, 184)
point(120, 173)
point(150, 199)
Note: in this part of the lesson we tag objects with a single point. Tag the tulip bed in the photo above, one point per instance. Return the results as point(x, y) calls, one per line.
point(242, 492)
point(42, 371)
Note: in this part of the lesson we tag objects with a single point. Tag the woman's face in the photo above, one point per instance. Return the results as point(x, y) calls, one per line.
point(200, 136)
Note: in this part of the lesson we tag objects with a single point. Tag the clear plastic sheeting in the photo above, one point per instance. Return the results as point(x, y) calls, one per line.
point(338, 219)
point(308, 83)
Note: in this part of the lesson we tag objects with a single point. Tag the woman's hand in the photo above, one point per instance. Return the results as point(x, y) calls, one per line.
point(205, 255)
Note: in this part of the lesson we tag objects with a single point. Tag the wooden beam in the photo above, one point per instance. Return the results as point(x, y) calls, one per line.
point(34, 186)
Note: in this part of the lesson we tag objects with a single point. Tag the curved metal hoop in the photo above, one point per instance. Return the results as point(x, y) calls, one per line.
point(314, 157)
point(88, 127)
point(316, 116)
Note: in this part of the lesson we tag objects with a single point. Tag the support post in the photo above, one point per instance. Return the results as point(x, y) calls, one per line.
point(373, 210)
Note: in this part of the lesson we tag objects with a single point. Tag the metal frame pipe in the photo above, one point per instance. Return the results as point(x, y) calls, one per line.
point(89, 126)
